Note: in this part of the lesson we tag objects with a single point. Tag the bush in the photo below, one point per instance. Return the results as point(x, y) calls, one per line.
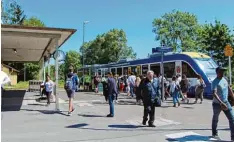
point(61, 83)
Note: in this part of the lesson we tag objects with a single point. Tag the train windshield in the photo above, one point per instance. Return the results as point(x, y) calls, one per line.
point(208, 65)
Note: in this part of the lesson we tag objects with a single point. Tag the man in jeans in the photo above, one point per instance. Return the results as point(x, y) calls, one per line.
point(220, 102)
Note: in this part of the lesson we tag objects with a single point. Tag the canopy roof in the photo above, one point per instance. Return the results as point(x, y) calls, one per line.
point(29, 44)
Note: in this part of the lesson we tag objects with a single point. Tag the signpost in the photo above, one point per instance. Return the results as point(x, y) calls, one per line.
point(228, 51)
point(162, 50)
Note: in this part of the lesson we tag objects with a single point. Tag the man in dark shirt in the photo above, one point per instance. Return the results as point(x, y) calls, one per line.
point(112, 91)
point(150, 90)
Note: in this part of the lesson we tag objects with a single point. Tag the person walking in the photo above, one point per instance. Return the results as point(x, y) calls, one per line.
point(220, 103)
point(174, 90)
point(184, 84)
point(199, 90)
point(70, 87)
point(138, 89)
point(48, 88)
point(150, 92)
point(132, 80)
point(112, 92)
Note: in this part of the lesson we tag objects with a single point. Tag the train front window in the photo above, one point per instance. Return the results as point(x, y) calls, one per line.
point(208, 65)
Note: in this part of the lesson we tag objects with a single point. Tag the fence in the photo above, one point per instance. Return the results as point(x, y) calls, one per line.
point(35, 86)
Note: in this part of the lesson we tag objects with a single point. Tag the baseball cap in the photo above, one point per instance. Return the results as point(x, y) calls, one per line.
point(220, 69)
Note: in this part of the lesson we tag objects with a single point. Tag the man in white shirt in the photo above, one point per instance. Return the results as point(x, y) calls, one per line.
point(4, 79)
point(132, 80)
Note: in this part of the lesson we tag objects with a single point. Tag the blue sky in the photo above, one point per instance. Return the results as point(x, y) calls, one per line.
point(133, 16)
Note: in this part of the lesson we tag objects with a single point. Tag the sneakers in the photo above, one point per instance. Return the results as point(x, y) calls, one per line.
point(144, 122)
point(152, 125)
point(70, 112)
point(110, 115)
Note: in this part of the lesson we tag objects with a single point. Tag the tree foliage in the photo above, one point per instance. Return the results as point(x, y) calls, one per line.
point(214, 38)
point(108, 47)
point(72, 59)
point(33, 22)
point(13, 15)
point(177, 29)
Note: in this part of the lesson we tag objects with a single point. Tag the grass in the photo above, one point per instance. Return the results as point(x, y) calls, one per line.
point(22, 85)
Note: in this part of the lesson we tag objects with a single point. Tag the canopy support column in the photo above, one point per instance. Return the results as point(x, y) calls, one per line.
point(56, 76)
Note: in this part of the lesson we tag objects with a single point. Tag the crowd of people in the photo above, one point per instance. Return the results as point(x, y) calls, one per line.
point(131, 84)
point(148, 89)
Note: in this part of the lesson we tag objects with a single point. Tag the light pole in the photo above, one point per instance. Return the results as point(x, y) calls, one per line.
point(85, 22)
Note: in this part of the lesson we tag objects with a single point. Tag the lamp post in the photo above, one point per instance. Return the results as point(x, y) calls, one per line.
point(85, 22)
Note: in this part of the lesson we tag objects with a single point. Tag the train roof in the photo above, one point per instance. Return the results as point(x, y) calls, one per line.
point(124, 62)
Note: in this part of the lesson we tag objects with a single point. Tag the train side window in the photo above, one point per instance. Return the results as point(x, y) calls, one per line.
point(119, 71)
point(188, 71)
point(169, 69)
point(155, 68)
point(99, 72)
point(133, 69)
point(144, 69)
point(125, 70)
point(113, 71)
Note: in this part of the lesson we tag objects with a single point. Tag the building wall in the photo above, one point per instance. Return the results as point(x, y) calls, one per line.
point(12, 74)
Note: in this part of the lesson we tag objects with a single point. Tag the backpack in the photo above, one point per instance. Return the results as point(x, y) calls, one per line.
point(68, 84)
point(203, 85)
point(177, 87)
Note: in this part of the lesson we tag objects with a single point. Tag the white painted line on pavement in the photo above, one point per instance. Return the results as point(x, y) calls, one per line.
point(189, 137)
point(84, 104)
point(157, 122)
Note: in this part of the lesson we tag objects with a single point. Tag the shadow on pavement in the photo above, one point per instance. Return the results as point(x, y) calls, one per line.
point(128, 128)
point(90, 115)
point(77, 125)
point(124, 126)
point(47, 111)
point(12, 100)
point(194, 138)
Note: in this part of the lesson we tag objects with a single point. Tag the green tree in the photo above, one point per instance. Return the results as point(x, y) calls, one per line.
point(177, 29)
point(13, 15)
point(33, 22)
point(72, 59)
point(213, 39)
point(108, 47)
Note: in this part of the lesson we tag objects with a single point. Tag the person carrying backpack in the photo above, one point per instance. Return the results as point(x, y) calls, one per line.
point(70, 87)
point(174, 90)
point(200, 87)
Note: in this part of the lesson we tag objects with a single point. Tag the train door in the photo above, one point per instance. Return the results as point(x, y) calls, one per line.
point(178, 68)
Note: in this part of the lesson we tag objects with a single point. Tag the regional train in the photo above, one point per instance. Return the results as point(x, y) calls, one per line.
point(189, 63)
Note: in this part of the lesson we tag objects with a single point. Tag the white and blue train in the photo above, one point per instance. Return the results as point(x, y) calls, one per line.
point(189, 63)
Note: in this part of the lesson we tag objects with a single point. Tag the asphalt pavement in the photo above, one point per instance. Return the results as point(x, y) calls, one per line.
point(35, 122)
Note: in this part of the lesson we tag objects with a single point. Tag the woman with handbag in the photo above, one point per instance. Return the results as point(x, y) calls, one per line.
point(199, 90)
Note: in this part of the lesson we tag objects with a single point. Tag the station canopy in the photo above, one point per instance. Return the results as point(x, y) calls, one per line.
point(31, 44)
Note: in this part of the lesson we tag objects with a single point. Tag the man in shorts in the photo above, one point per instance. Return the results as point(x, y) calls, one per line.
point(70, 87)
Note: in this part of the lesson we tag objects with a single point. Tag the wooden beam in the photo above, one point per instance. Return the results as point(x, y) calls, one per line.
point(30, 34)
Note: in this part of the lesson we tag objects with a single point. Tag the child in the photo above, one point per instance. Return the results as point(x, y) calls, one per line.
point(70, 89)
point(174, 90)
point(48, 88)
